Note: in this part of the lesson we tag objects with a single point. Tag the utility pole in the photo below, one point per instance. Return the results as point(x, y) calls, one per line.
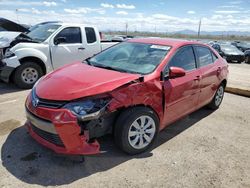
point(17, 15)
point(199, 29)
point(127, 28)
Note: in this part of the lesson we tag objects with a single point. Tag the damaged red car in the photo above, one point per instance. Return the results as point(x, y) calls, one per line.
point(131, 90)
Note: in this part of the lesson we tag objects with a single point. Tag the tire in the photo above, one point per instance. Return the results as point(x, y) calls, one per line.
point(126, 123)
point(247, 60)
point(26, 75)
point(218, 97)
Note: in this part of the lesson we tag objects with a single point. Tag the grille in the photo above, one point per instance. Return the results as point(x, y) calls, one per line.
point(50, 104)
point(53, 138)
point(46, 103)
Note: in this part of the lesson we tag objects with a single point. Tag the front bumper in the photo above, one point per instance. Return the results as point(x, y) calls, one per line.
point(58, 130)
point(7, 66)
point(238, 58)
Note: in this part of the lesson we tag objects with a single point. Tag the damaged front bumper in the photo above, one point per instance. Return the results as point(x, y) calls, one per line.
point(61, 131)
point(7, 66)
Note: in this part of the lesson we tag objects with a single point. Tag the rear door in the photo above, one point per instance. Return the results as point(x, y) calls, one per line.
point(91, 41)
point(70, 50)
point(182, 94)
point(208, 66)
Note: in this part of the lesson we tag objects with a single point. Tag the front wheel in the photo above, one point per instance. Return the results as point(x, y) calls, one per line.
point(136, 130)
point(26, 75)
point(218, 97)
point(247, 60)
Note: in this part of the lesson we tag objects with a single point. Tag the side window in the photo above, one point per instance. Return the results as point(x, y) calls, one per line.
point(90, 35)
point(204, 56)
point(71, 35)
point(184, 58)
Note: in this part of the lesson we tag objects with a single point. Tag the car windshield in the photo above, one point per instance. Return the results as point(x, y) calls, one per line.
point(42, 32)
point(228, 48)
point(131, 57)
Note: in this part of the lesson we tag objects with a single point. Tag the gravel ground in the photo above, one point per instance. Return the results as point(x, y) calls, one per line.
point(204, 149)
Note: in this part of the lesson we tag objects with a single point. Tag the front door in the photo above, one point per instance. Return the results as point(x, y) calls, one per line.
point(182, 94)
point(69, 49)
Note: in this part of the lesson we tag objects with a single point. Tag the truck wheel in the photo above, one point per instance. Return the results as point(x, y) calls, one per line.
point(26, 75)
point(215, 103)
point(247, 60)
point(136, 130)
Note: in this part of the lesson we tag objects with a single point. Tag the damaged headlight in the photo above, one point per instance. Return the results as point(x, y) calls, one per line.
point(89, 108)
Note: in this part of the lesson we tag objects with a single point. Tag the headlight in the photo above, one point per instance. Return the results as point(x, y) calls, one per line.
point(90, 108)
point(8, 54)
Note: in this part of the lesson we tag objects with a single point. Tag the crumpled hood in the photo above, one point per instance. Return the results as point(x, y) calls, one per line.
point(6, 37)
point(79, 80)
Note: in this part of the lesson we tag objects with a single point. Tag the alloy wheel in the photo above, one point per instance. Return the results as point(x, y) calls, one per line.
point(141, 132)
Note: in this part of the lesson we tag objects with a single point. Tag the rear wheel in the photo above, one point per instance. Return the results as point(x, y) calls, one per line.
point(26, 75)
point(136, 130)
point(218, 97)
point(247, 60)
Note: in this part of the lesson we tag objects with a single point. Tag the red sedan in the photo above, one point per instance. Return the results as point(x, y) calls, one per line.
point(131, 90)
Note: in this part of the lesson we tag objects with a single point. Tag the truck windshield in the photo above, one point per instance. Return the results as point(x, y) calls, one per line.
point(42, 32)
point(131, 57)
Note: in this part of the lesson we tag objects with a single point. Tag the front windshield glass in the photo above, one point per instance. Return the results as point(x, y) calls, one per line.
point(131, 57)
point(42, 32)
point(229, 48)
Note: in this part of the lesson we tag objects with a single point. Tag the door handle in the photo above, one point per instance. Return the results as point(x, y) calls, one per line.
point(219, 70)
point(81, 48)
point(197, 78)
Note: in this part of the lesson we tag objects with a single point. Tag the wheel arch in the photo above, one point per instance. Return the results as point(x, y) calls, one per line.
point(122, 109)
point(224, 82)
point(31, 59)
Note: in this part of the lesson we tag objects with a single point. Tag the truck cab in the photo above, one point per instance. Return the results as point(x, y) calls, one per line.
point(47, 48)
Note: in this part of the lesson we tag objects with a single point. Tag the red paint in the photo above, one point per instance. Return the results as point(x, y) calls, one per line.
point(182, 95)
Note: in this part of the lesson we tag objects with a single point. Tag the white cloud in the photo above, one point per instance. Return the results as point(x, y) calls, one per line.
point(84, 10)
point(27, 3)
point(191, 12)
point(121, 13)
point(136, 20)
point(106, 5)
point(227, 11)
point(49, 3)
point(124, 6)
point(235, 2)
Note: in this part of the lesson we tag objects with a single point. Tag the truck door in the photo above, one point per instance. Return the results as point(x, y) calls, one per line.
point(67, 47)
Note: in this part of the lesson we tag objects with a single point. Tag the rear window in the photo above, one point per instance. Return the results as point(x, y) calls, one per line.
point(90, 35)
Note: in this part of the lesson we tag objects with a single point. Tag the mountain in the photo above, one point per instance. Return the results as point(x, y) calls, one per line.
point(191, 32)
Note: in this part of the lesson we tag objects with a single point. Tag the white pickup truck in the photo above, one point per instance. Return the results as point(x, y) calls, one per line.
point(46, 48)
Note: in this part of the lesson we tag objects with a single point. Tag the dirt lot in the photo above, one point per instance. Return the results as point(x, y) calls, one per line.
point(205, 149)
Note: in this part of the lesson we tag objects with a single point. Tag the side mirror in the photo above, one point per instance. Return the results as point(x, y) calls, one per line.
point(59, 40)
point(175, 72)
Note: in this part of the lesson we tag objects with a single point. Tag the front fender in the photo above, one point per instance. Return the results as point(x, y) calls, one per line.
point(29, 52)
point(139, 94)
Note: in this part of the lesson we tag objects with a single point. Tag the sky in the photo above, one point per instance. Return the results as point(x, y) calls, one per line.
point(139, 15)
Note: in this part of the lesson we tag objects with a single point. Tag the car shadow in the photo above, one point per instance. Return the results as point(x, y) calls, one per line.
point(34, 164)
point(8, 88)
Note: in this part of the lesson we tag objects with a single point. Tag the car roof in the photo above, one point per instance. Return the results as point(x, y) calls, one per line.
point(165, 41)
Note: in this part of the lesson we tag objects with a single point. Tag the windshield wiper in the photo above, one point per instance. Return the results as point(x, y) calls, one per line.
point(88, 61)
point(114, 68)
